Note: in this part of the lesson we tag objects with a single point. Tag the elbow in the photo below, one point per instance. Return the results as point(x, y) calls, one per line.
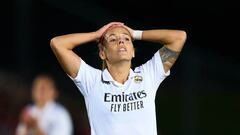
point(178, 41)
point(54, 42)
point(60, 42)
point(181, 36)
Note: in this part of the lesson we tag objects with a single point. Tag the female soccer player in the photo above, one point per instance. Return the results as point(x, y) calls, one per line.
point(119, 100)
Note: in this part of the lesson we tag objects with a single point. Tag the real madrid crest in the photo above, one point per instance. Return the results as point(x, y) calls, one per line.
point(138, 79)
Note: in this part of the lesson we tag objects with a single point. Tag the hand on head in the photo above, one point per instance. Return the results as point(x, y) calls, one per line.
point(129, 29)
point(101, 32)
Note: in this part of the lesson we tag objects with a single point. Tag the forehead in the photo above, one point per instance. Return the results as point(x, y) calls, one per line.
point(117, 30)
point(42, 81)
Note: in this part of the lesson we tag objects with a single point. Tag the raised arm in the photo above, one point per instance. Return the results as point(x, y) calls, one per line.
point(63, 46)
point(173, 41)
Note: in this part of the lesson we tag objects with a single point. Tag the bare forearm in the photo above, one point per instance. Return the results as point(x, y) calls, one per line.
point(71, 41)
point(63, 46)
point(172, 39)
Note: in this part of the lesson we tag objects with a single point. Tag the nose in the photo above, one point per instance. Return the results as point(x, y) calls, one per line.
point(120, 41)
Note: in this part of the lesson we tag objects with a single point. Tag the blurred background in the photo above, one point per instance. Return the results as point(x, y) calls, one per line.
point(200, 97)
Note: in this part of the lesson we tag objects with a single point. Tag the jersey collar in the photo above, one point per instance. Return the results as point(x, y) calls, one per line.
point(108, 78)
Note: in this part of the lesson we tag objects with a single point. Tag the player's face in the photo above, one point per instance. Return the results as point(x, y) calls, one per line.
point(118, 45)
point(43, 90)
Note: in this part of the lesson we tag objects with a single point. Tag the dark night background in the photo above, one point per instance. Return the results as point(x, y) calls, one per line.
point(200, 97)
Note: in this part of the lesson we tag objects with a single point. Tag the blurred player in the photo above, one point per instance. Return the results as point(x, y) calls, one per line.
point(45, 116)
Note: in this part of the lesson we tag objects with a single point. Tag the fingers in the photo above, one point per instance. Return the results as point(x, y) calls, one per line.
point(112, 24)
point(102, 30)
point(115, 23)
point(129, 29)
point(107, 26)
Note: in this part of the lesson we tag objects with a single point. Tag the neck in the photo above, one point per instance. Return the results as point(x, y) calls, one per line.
point(41, 105)
point(120, 71)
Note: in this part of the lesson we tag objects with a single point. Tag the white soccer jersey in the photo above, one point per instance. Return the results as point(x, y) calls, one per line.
point(121, 109)
point(53, 120)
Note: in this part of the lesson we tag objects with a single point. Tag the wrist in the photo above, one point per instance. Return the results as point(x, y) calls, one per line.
point(95, 36)
point(137, 34)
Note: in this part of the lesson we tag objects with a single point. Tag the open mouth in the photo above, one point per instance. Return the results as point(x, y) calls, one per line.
point(122, 50)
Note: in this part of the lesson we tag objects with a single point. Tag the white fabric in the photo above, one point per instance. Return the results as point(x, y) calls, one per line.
point(53, 119)
point(137, 34)
point(121, 109)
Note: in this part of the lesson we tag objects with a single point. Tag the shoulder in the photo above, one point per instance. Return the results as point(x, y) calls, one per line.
point(153, 60)
point(58, 109)
point(86, 71)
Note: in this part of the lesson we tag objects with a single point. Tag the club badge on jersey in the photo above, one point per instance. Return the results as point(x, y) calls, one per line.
point(138, 79)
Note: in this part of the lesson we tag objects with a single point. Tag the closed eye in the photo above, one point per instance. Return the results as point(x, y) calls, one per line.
point(112, 40)
point(127, 39)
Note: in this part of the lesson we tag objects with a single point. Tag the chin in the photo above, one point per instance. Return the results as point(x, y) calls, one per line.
point(125, 59)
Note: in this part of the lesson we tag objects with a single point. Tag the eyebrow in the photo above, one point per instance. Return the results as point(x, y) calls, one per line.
point(121, 33)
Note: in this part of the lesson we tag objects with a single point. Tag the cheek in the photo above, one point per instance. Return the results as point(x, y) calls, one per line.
point(109, 50)
point(130, 48)
point(132, 51)
point(49, 95)
point(38, 95)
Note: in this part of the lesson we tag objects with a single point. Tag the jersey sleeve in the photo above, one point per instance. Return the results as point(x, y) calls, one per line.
point(154, 71)
point(86, 78)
